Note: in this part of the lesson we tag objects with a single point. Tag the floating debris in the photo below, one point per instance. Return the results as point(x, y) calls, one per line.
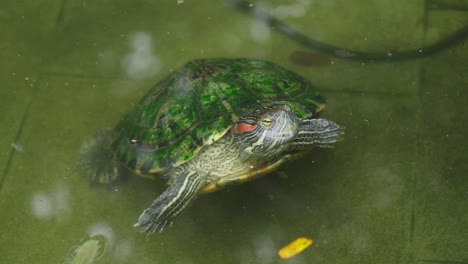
point(17, 147)
point(90, 251)
point(306, 58)
point(295, 247)
point(344, 53)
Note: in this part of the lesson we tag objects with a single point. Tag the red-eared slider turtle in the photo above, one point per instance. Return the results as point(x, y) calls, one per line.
point(213, 123)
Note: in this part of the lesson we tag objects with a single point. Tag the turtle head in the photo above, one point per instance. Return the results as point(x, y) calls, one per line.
point(266, 131)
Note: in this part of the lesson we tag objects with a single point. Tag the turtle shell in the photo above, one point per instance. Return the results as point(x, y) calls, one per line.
point(197, 105)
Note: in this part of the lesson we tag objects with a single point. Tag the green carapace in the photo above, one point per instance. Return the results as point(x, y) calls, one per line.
point(211, 124)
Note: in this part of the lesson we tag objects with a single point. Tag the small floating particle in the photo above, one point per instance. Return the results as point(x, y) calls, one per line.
point(17, 147)
point(295, 247)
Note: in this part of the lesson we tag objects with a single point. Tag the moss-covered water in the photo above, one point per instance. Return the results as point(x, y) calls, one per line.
point(394, 191)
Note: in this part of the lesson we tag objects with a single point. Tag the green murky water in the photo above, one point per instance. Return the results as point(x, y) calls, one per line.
point(394, 191)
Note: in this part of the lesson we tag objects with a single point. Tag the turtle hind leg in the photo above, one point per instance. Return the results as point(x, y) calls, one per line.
point(170, 203)
point(98, 161)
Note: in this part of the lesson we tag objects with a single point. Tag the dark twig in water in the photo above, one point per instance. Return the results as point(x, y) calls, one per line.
point(339, 52)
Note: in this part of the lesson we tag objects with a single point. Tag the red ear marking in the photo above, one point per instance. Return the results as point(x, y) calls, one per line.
point(240, 128)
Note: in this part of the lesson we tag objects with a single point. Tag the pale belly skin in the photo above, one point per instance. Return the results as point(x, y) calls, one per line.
point(224, 163)
point(221, 161)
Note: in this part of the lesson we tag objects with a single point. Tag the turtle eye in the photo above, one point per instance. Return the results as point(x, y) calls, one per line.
point(267, 121)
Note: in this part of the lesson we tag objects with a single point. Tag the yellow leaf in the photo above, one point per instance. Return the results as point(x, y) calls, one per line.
point(294, 248)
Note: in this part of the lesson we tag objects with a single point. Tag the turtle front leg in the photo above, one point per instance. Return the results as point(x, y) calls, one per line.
point(170, 203)
point(316, 132)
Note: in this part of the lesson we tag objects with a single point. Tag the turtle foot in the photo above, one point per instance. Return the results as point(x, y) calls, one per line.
point(170, 203)
point(149, 222)
point(162, 211)
point(97, 159)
